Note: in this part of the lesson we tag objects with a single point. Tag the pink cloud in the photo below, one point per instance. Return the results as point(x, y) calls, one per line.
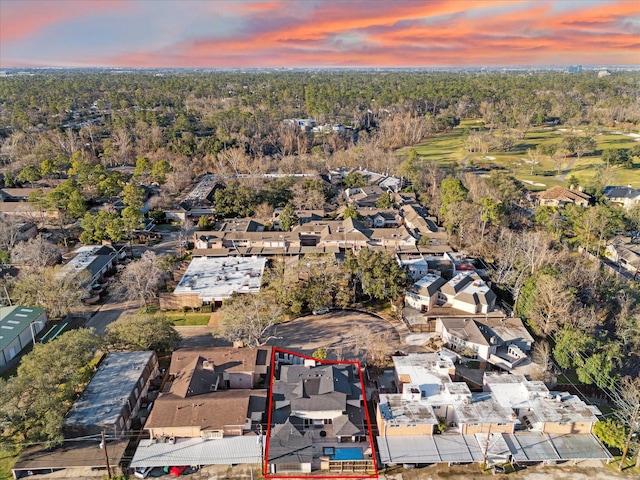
point(372, 33)
point(21, 19)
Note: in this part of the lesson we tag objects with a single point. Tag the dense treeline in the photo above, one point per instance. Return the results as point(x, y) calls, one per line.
point(76, 127)
point(118, 117)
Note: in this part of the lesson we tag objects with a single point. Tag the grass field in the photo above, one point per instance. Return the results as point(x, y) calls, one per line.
point(188, 319)
point(448, 150)
point(7, 460)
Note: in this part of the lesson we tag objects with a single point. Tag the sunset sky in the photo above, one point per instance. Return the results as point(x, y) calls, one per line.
point(318, 33)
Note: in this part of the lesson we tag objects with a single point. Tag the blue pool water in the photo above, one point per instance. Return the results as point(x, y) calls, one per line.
point(347, 454)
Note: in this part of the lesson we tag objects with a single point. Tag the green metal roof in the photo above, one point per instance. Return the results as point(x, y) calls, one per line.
point(14, 320)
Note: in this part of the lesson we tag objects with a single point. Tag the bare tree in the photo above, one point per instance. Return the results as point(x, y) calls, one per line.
point(306, 199)
point(186, 231)
point(374, 347)
point(263, 212)
point(627, 399)
point(141, 278)
point(541, 353)
point(235, 157)
point(535, 249)
point(552, 308)
point(122, 143)
point(51, 289)
point(35, 252)
point(519, 255)
point(9, 232)
point(249, 318)
point(179, 178)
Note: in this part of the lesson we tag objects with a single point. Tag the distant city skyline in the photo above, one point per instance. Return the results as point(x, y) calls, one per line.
point(318, 33)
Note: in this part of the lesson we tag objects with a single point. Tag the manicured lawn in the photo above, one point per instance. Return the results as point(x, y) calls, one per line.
point(7, 460)
point(189, 319)
point(448, 150)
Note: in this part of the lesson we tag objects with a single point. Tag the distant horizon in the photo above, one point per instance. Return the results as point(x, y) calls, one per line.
point(318, 34)
point(311, 68)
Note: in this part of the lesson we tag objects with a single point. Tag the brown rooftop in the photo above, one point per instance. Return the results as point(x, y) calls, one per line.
point(227, 359)
point(209, 411)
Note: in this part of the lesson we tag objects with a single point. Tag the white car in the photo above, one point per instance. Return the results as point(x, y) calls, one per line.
point(321, 311)
point(142, 472)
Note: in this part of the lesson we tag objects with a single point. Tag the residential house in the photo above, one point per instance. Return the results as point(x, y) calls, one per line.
point(421, 225)
point(417, 376)
point(625, 253)
point(503, 342)
point(467, 292)
point(304, 124)
point(511, 420)
point(95, 260)
point(558, 196)
point(314, 407)
point(113, 396)
point(26, 231)
point(428, 398)
point(420, 265)
point(26, 210)
point(198, 202)
point(20, 194)
point(19, 326)
point(380, 218)
point(364, 197)
point(539, 409)
point(392, 184)
point(304, 216)
point(211, 280)
point(210, 410)
point(425, 293)
point(625, 196)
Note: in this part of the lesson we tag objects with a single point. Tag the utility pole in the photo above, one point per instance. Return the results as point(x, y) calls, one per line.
point(106, 455)
point(486, 449)
point(261, 441)
point(634, 418)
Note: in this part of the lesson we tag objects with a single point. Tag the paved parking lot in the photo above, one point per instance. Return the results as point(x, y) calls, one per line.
point(342, 332)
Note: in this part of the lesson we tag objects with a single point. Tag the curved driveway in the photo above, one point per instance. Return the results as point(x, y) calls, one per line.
point(342, 332)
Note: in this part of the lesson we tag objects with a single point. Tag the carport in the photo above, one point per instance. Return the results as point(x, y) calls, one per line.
point(522, 447)
point(73, 459)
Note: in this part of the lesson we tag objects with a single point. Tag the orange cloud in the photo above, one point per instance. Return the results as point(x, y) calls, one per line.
point(374, 33)
point(258, 6)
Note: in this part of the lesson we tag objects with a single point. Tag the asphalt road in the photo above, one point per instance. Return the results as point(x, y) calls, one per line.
point(114, 308)
point(109, 312)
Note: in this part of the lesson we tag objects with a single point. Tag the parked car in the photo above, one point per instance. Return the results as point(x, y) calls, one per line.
point(142, 472)
point(177, 471)
point(321, 311)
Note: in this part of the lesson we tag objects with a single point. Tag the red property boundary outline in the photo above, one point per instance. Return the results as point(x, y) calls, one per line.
point(265, 465)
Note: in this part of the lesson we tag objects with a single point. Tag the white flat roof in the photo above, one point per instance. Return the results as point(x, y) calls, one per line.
point(427, 370)
point(215, 279)
point(522, 447)
point(196, 451)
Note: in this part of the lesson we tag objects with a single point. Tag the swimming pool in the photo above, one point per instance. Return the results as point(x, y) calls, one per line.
point(341, 453)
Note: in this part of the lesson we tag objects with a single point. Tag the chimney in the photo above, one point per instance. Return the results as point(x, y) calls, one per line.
point(208, 365)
